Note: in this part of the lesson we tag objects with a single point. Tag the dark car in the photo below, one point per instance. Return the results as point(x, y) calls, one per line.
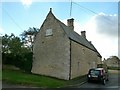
point(98, 74)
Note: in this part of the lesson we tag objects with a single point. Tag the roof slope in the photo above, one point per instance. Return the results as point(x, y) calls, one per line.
point(78, 38)
point(75, 36)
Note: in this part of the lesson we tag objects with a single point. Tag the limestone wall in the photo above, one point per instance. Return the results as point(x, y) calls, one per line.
point(51, 52)
point(82, 59)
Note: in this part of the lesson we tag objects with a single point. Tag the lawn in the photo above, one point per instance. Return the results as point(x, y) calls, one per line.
point(16, 76)
point(0, 74)
point(19, 77)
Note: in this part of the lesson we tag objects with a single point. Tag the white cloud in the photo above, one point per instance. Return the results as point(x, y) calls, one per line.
point(107, 24)
point(102, 30)
point(1, 30)
point(26, 3)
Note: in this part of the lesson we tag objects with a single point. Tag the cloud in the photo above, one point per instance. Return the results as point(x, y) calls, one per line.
point(102, 29)
point(1, 30)
point(106, 24)
point(26, 3)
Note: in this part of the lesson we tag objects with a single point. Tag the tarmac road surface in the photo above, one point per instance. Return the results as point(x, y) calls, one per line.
point(113, 83)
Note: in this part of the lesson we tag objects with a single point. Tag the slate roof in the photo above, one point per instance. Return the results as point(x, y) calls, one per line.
point(76, 37)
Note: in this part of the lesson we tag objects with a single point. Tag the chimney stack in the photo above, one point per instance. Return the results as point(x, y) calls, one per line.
point(83, 34)
point(70, 23)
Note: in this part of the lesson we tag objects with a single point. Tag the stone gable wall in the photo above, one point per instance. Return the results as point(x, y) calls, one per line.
point(51, 53)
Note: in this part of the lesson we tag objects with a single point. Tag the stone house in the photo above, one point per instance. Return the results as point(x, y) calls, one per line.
point(113, 61)
point(60, 52)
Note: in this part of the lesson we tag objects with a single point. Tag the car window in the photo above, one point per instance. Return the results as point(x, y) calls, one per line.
point(94, 72)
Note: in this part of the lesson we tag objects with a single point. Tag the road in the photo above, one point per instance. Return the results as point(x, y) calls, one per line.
point(113, 83)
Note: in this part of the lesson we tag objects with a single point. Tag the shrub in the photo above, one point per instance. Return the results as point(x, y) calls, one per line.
point(22, 61)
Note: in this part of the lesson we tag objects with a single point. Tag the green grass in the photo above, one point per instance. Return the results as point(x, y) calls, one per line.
point(0, 74)
point(19, 77)
point(16, 76)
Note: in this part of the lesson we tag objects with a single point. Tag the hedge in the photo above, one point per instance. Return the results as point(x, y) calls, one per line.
point(22, 61)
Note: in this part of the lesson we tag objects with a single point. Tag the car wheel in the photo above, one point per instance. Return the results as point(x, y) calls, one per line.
point(88, 80)
point(104, 82)
point(107, 79)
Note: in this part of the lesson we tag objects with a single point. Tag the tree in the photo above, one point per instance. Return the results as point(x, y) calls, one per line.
point(28, 37)
point(12, 44)
point(15, 53)
point(5, 42)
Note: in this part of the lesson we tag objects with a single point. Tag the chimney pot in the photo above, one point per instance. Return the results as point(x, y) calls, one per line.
point(70, 23)
point(90, 42)
point(83, 34)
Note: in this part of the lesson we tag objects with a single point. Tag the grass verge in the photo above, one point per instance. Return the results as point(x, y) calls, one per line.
point(27, 79)
point(19, 77)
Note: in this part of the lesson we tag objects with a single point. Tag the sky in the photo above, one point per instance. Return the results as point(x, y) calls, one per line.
point(98, 19)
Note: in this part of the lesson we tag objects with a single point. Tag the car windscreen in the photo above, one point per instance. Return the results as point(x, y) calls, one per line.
point(94, 72)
